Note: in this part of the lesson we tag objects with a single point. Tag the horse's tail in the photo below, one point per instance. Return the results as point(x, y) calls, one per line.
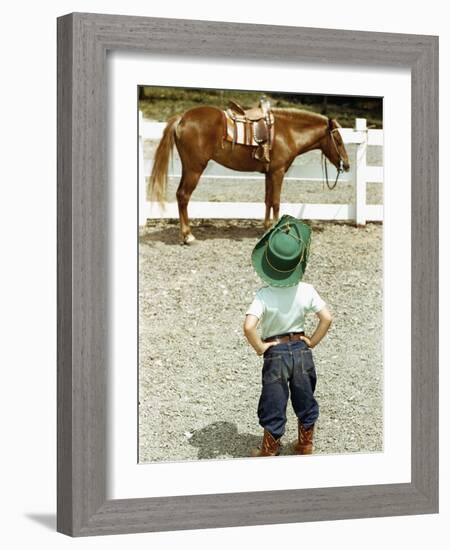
point(158, 177)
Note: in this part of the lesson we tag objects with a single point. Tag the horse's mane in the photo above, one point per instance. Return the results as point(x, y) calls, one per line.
point(309, 117)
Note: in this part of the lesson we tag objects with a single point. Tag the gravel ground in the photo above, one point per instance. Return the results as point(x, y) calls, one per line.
point(199, 379)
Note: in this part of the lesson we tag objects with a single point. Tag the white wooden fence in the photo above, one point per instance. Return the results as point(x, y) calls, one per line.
point(358, 211)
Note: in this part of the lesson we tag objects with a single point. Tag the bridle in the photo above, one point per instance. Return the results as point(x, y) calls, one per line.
point(331, 131)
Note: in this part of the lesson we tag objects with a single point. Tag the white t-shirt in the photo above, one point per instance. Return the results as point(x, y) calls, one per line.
point(282, 309)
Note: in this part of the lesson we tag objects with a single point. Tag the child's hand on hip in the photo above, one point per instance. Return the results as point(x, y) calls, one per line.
point(307, 341)
point(265, 346)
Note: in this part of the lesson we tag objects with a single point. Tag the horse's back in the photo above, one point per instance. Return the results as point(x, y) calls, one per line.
point(203, 123)
point(204, 114)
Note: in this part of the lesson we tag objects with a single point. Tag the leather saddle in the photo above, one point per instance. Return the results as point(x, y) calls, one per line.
point(256, 113)
point(257, 124)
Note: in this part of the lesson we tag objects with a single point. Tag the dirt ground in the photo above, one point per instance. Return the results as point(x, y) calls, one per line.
point(199, 380)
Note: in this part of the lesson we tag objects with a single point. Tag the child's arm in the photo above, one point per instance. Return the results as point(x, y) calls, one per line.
point(250, 324)
point(322, 328)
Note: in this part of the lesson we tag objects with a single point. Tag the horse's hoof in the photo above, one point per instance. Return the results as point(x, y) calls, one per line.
point(189, 239)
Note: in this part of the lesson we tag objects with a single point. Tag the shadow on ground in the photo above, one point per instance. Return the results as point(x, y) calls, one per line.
point(46, 520)
point(222, 440)
point(168, 231)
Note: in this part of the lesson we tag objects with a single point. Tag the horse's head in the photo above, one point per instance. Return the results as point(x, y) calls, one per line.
point(333, 147)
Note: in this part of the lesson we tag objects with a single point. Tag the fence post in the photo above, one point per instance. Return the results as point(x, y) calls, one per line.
point(142, 191)
point(361, 173)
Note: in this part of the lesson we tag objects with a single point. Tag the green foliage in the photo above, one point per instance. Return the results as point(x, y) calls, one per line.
point(160, 103)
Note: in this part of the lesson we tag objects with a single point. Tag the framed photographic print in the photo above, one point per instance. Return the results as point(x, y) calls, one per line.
point(159, 406)
point(198, 381)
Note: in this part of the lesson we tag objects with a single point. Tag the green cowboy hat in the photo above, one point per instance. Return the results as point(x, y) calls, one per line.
point(280, 256)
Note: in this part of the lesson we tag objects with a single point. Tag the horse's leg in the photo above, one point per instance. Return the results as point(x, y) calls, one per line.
point(268, 200)
point(188, 183)
point(277, 181)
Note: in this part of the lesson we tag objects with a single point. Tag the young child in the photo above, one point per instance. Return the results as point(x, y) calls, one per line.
point(280, 258)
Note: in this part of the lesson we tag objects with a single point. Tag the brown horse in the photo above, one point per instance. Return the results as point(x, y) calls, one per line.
point(199, 137)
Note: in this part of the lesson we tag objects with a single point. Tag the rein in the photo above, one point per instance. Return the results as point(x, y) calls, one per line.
point(324, 160)
point(325, 172)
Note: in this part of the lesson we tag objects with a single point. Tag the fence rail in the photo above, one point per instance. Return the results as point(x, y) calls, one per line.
point(359, 211)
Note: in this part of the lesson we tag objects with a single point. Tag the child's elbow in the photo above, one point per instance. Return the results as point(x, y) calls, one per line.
point(325, 316)
point(250, 323)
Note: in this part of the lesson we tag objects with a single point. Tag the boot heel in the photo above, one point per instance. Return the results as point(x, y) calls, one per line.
point(304, 444)
point(269, 447)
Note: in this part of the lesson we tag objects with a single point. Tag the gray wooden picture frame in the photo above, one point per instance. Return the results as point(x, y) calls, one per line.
point(83, 42)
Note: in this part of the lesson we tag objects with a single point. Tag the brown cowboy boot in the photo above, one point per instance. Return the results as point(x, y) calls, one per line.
point(270, 446)
point(304, 445)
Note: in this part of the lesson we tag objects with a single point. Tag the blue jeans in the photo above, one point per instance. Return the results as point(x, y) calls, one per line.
point(287, 368)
